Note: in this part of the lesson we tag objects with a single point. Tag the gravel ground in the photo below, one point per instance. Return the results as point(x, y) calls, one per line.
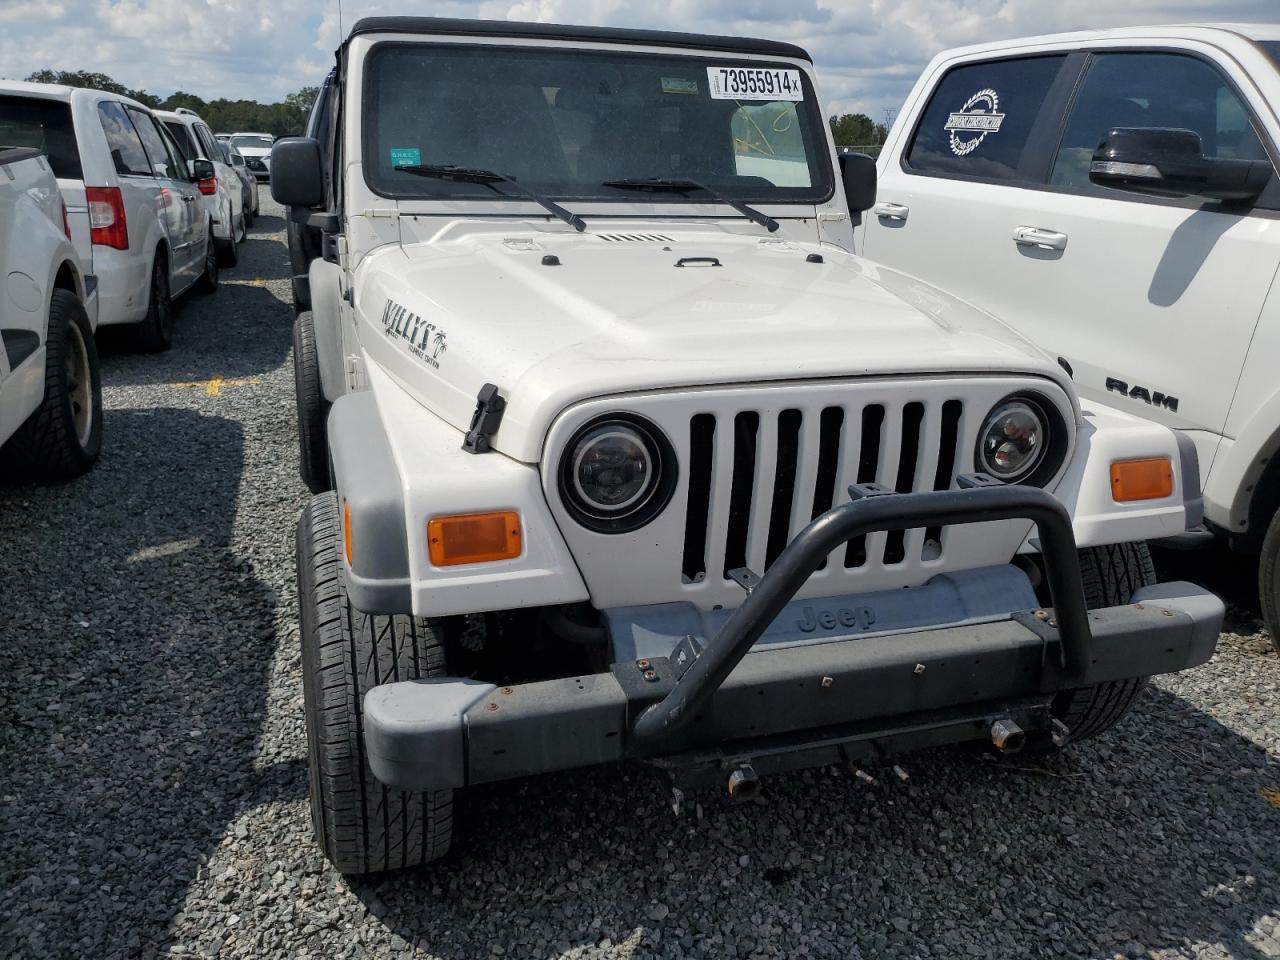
point(153, 782)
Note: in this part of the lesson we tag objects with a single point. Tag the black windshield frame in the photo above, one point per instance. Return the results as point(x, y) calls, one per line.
point(813, 130)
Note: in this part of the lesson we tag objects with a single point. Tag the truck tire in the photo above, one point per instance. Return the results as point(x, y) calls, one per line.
point(313, 410)
point(63, 438)
point(362, 826)
point(1269, 580)
point(155, 333)
point(1111, 575)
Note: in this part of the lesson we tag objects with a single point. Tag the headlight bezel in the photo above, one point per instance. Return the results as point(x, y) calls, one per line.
point(648, 504)
point(1053, 450)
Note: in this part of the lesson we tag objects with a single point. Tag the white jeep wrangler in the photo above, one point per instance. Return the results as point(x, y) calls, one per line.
point(623, 455)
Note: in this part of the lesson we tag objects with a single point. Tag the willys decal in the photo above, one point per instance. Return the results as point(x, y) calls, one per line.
point(979, 116)
point(426, 340)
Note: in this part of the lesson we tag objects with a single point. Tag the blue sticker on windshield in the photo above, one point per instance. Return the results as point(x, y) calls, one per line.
point(406, 157)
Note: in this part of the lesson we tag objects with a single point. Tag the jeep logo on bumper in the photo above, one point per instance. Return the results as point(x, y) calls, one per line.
point(848, 618)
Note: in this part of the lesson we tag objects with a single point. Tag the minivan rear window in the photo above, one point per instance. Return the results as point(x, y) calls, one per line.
point(44, 125)
point(183, 137)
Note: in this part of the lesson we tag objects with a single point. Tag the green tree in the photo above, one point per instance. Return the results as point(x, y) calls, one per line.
point(93, 81)
point(856, 130)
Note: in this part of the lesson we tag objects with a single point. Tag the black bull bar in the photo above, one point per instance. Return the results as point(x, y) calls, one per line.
point(872, 509)
point(454, 732)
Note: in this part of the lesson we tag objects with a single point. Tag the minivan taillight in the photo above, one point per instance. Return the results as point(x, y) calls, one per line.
point(208, 187)
point(66, 222)
point(107, 227)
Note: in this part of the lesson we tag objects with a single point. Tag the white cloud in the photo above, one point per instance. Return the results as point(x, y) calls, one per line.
point(868, 52)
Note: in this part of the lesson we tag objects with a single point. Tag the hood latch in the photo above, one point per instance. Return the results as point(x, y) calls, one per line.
point(485, 421)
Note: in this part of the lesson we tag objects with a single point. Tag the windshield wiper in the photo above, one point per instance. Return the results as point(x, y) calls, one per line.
point(491, 180)
point(685, 185)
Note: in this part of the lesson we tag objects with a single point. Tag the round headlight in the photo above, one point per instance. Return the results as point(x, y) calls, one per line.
point(1014, 440)
point(617, 474)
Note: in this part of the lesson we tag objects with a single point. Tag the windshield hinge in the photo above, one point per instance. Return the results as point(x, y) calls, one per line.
point(837, 217)
point(485, 421)
point(375, 213)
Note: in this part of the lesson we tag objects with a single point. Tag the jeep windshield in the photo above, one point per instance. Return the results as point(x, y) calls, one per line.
point(586, 125)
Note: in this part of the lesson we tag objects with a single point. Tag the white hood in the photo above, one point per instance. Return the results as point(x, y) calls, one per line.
point(477, 304)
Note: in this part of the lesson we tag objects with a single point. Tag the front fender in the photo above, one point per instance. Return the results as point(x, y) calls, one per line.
point(396, 467)
point(1107, 435)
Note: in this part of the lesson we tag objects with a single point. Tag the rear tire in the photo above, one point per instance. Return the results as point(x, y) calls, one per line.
point(361, 825)
point(155, 333)
point(1111, 575)
point(208, 282)
point(63, 438)
point(1269, 580)
point(313, 410)
point(228, 254)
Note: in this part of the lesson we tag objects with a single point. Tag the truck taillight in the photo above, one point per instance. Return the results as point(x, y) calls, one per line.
point(107, 227)
point(208, 187)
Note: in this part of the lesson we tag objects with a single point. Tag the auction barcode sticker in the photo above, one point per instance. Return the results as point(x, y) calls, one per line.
point(754, 83)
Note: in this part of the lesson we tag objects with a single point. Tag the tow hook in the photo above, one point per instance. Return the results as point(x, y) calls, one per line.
point(1008, 736)
point(743, 783)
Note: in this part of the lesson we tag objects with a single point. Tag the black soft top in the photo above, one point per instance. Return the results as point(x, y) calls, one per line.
point(444, 26)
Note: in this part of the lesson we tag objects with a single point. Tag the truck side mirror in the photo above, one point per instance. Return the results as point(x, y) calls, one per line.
point(297, 179)
point(858, 172)
point(1170, 162)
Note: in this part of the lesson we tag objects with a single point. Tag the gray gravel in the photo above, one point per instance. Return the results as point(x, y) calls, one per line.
point(153, 782)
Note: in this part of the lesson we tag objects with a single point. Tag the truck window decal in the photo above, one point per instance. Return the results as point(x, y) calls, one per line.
point(680, 85)
point(754, 83)
point(980, 116)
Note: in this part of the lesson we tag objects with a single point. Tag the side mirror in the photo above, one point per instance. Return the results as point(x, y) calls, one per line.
point(202, 170)
point(858, 172)
point(297, 179)
point(1170, 162)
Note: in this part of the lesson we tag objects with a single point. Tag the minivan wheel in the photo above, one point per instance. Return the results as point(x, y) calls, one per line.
point(208, 282)
point(63, 438)
point(1269, 580)
point(228, 254)
point(155, 333)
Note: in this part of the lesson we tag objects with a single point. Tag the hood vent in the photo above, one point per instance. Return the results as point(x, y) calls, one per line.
point(634, 238)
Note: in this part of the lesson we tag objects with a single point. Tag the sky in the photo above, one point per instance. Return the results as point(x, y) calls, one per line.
point(868, 52)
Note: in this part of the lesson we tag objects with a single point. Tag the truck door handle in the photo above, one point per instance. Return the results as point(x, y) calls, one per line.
point(891, 211)
point(1035, 237)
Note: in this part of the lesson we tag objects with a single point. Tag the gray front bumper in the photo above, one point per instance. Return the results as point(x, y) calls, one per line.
point(448, 733)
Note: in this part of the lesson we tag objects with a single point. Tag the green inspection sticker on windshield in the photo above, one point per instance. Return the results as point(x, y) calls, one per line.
point(677, 85)
point(406, 157)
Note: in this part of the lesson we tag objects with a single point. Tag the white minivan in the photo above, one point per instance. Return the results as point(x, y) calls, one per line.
point(133, 202)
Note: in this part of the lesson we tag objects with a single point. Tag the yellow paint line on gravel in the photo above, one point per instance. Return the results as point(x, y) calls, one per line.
point(213, 387)
point(254, 282)
point(1272, 796)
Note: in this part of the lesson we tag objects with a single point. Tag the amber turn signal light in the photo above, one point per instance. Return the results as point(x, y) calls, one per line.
point(473, 538)
point(1150, 479)
point(346, 530)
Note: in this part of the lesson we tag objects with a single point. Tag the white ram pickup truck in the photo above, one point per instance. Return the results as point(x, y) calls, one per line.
point(620, 454)
point(1116, 198)
point(50, 392)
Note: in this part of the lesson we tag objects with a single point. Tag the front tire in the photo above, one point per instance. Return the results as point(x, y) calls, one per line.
point(313, 411)
point(361, 825)
point(1269, 580)
point(63, 438)
point(228, 254)
point(1111, 575)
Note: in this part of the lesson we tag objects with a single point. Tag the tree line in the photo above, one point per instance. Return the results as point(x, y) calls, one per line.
point(284, 119)
point(857, 130)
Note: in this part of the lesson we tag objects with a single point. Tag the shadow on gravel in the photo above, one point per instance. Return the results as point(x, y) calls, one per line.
point(242, 331)
point(137, 648)
point(1154, 836)
point(1232, 576)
